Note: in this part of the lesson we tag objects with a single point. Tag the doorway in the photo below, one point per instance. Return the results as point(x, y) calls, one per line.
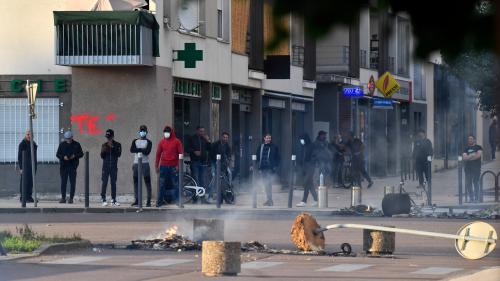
point(186, 118)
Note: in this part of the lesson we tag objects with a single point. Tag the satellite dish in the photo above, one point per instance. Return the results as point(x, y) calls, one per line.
point(188, 14)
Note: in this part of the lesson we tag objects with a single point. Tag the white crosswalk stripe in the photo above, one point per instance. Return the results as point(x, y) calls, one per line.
point(437, 270)
point(76, 260)
point(345, 267)
point(163, 262)
point(260, 264)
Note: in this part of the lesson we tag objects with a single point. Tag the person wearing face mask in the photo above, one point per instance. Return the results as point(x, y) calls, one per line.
point(69, 152)
point(111, 150)
point(142, 147)
point(166, 163)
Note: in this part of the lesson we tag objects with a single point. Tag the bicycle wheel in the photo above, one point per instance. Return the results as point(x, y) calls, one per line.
point(227, 189)
point(346, 177)
point(188, 195)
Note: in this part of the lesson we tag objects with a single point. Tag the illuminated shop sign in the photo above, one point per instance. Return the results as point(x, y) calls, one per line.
point(353, 92)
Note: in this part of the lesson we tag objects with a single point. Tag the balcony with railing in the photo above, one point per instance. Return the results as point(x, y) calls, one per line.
point(105, 38)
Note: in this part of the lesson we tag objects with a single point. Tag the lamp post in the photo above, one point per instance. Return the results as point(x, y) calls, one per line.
point(31, 91)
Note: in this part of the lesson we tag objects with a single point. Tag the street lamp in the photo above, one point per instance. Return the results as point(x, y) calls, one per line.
point(31, 91)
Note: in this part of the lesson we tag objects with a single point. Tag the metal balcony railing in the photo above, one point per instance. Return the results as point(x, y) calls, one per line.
point(363, 58)
point(298, 55)
point(105, 38)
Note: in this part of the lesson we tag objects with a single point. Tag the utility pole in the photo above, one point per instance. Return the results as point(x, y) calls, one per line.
point(31, 91)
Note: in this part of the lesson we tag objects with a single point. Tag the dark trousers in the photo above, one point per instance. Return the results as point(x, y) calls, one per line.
point(337, 171)
point(493, 149)
point(472, 183)
point(68, 172)
point(267, 179)
point(29, 185)
point(422, 168)
point(199, 173)
point(145, 171)
point(359, 171)
point(109, 172)
point(308, 184)
point(169, 189)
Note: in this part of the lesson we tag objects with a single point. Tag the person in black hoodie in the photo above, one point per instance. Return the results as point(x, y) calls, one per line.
point(422, 148)
point(306, 149)
point(142, 146)
point(110, 152)
point(69, 152)
point(199, 149)
point(268, 160)
point(25, 146)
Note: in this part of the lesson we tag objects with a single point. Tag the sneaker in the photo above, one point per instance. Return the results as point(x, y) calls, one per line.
point(134, 204)
point(63, 200)
point(115, 203)
point(370, 184)
point(104, 203)
point(314, 204)
point(30, 200)
point(268, 203)
point(70, 201)
point(159, 204)
point(301, 204)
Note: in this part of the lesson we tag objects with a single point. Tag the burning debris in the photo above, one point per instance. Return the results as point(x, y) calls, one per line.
point(256, 246)
point(169, 241)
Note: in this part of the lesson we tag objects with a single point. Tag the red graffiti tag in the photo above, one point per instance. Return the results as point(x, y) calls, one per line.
point(89, 123)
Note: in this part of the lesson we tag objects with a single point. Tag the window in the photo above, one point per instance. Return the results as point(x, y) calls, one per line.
point(219, 24)
point(216, 93)
point(223, 20)
point(14, 121)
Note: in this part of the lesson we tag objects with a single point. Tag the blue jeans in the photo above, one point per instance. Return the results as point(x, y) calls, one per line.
point(169, 189)
point(199, 173)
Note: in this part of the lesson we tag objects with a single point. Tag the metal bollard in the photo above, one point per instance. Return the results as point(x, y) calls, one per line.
point(254, 181)
point(181, 179)
point(217, 180)
point(355, 196)
point(139, 182)
point(87, 180)
point(429, 184)
point(322, 193)
point(292, 174)
point(23, 180)
point(460, 194)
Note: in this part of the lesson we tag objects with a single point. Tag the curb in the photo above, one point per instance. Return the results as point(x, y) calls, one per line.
point(50, 249)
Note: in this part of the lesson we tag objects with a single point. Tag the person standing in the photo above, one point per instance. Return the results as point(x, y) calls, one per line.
point(199, 149)
point(141, 147)
point(322, 156)
point(110, 152)
point(268, 159)
point(25, 146)
point(422, 149)
point(69, 152)
point(307, 165)
point(493, 137)
point(472, 167)
point(167, 164)
point(358, 162)
point(223, 148)
point(338, 161)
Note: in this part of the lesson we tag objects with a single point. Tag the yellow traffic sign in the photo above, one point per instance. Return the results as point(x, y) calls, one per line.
point(387, 85)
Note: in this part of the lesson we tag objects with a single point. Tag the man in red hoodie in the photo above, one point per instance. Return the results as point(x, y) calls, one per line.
point(166, 163)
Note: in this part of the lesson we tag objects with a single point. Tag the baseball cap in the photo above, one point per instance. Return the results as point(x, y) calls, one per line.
point(68, 135)
point(110, 133)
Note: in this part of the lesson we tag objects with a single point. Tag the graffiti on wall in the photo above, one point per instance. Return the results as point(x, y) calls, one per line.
point(89, 124)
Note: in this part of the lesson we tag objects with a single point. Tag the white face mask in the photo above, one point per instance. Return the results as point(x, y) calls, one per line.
point(167, 135)
point(302, 141)
point(142, 134)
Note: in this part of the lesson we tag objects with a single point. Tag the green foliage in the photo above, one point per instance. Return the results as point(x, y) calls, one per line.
point(17, 244)
point(27, 240)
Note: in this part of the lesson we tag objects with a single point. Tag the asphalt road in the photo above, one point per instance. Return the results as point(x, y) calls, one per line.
point(415, 258)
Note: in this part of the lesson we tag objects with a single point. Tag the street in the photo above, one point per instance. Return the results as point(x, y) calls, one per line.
point(415, 257)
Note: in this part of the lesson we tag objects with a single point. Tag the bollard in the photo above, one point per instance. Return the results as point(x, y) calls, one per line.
point(378, 243)
point(254, 181)
point(355, 196)
point(497, 186)
point(87, 180)
point(429, 184)
point(23, 180)
point(292, 174)
point(322, 193)
point(181, 180)
point(460, 194)
point(220, 258)
point(139, 183)
point(389, 189)
point(217, 180)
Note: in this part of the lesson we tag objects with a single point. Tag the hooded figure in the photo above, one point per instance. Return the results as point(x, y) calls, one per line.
point(166, 163)
point(305, 160)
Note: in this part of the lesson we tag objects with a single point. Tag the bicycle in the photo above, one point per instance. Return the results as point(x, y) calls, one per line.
point(226, 185)
point(346, 173)
point(191, 191)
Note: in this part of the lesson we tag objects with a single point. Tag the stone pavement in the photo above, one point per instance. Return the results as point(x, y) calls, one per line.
point(444, 195)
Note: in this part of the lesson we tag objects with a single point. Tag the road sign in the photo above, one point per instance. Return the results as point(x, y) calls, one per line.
point(353, 92)
point(189, 55)
point(387, 84)
point(371, 85)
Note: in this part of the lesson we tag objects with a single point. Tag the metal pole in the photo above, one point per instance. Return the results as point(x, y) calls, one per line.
point(181, 179)
point(31, 103)
point(87, 180)
point(139, 182)
point(217, 180)
point(23, 180)
point(429, 184)
point(497, 186)
point(292, 174)
point(460, 194)
point(254, 181)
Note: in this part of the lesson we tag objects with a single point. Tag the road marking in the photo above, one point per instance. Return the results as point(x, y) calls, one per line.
point(437, 270)
point(345, 267)
point(163, 262)
point(75, 260)
point(260, 264)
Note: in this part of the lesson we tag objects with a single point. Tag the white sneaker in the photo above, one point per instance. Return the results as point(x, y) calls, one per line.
point(104, 203)
point(301, 204)
point(115, 204)
point(314, 204)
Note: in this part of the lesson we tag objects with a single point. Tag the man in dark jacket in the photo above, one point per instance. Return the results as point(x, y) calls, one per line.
point(493, 137)
point(322, 156)
point(358, 162)
point(25, 146)
point(110, 152)
point(472, 166)
point(422, 149)
point(221, 147)
point(142, 147)
point(306, 150)
point(268, 160)
point(199, 149)
point(69, 152)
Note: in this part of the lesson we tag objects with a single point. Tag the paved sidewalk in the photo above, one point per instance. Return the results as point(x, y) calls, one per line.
point(444, 194)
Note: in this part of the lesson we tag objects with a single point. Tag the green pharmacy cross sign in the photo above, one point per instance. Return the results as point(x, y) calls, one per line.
point(189, 55)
